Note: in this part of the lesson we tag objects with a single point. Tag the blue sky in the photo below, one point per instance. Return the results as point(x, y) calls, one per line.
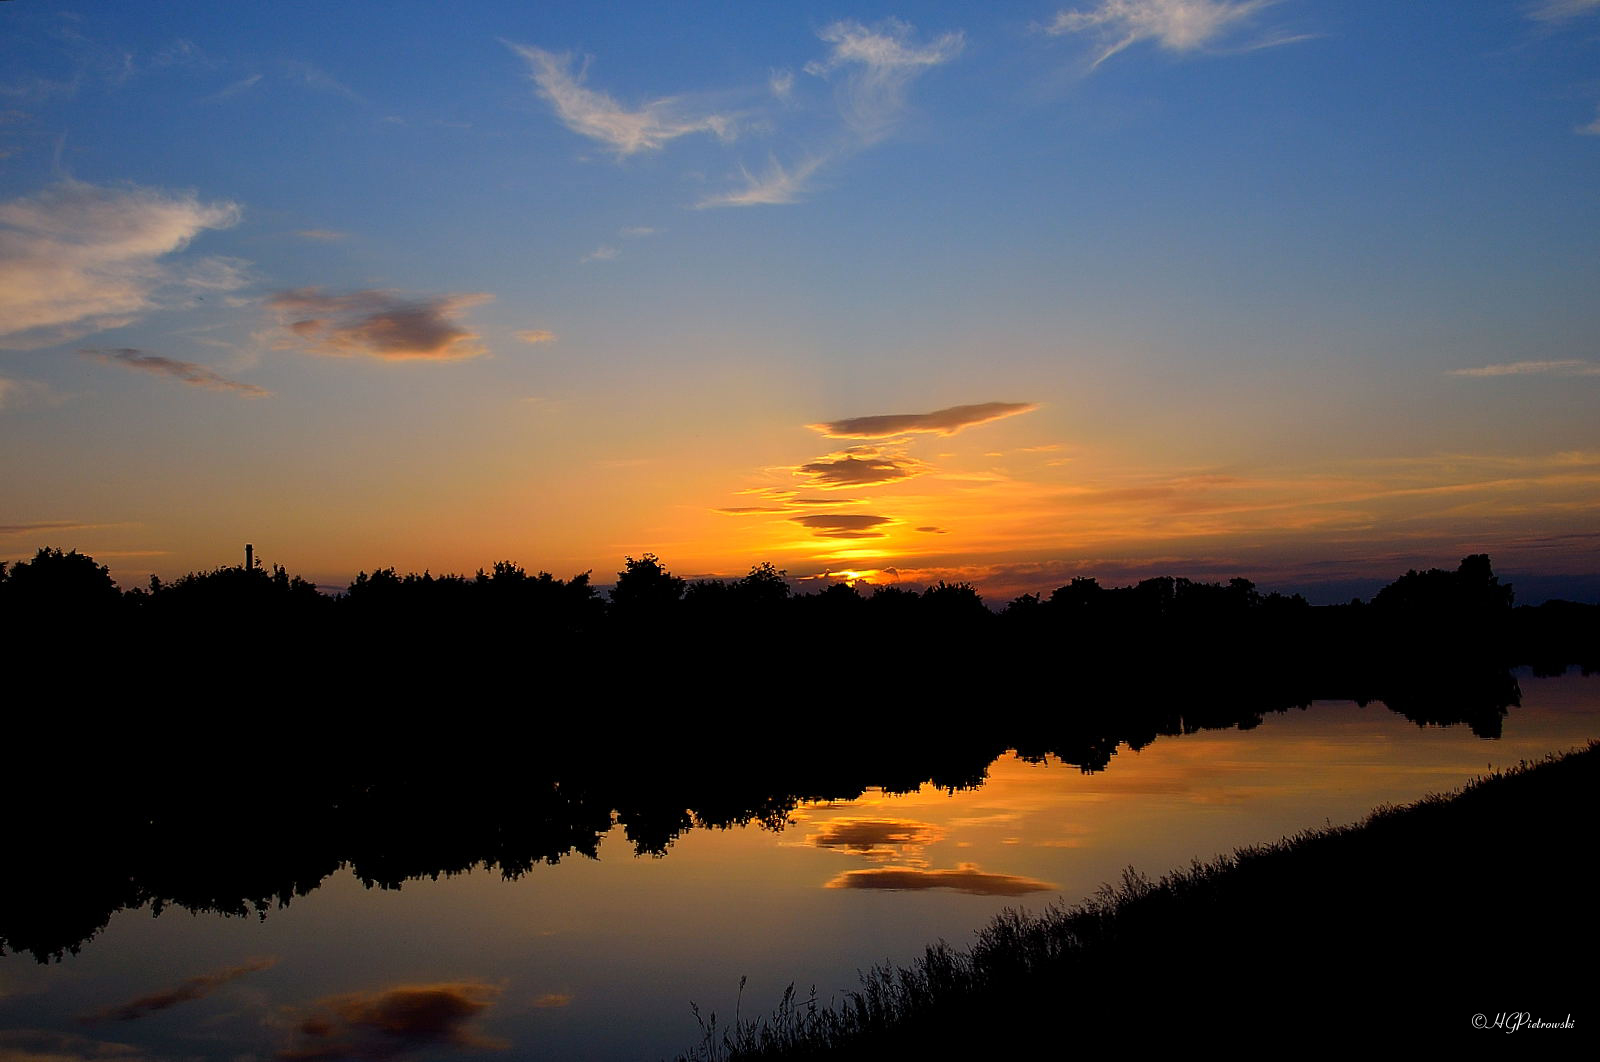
point(1296, 290)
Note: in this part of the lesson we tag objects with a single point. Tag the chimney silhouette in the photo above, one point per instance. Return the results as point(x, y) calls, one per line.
point(249, 557)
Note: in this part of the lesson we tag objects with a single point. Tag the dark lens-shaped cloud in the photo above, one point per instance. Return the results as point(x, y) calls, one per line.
point(857, 470)
point(184, 992)
point(840, 525)
point(966, 877)
point(394, 1022)
point(380, 324)
point(939, 422)
point(184, 371)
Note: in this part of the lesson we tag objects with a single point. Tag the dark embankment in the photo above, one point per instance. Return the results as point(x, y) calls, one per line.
point(1404, 926)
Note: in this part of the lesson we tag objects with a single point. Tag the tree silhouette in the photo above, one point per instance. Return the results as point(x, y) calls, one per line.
point(645, 589)
point(56, 592)
point(764, 587)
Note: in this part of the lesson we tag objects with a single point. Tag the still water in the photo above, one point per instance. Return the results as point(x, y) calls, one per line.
point(599, 959)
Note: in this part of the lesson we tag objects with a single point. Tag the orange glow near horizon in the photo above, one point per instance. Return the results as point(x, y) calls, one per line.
point(999, 505)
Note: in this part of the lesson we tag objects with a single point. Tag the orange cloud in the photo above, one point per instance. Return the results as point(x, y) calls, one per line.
point(553, 999)
point(394, 1022)
point(875, 838)
point(380, 324)
point(965, 878)
point(184, 992)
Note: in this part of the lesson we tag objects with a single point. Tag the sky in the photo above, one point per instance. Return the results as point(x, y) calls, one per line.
point(1303, 291)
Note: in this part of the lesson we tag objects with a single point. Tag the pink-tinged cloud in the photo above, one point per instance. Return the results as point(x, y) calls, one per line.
point(879, 64)
point(1564, 367)
point(79, 258)
point(1176, 25)
point(394, 1023)
point(183, 992)
point(63, 525)
point(600, 117)
point(380, 324)
point(939, 422)
point(966, 878)
point(182, 371)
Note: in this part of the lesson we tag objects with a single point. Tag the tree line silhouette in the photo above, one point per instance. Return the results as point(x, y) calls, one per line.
point(757, 628)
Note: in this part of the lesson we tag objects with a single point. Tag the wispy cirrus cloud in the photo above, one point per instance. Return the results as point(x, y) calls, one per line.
point(380, 324)
point(244, 84)
point(776, 187)
point(319, 80)
point(876, 67)
point(324, 235)
point(600, 117)
point(1562, 10)
point(939, 422)
point(56, 525)
point(781, 84)
point(536, 335)
point(966, 878)
point(1176, 25)
point(879, 63)
point(1593, 128)
point(183, 371)
point(1563, 367)
point(78, 258)
point(183, 992)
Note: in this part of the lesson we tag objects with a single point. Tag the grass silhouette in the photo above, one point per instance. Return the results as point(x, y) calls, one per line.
point(1403, 926)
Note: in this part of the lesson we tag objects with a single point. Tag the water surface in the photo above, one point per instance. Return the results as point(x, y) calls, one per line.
point(599, 958)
